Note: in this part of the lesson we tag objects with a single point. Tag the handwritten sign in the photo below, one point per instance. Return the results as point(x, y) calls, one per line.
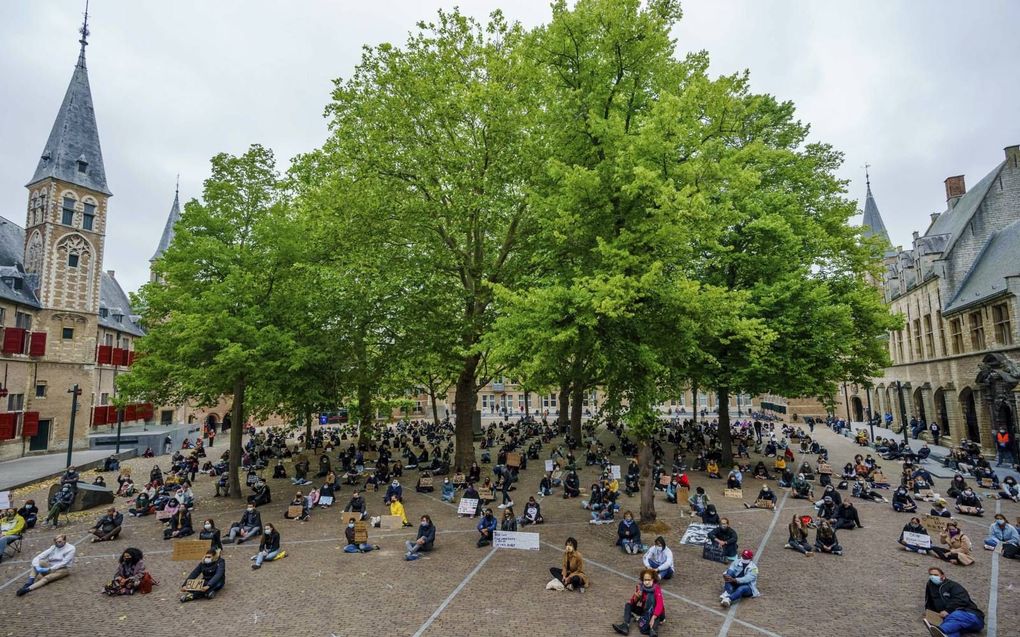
point(360, 532)
point(325, 500)
point(765, 504)
point(196, 585)
point(917, 539)
point(734, 493)
point(458, 479)
point(467, 506)
point(513, 459)
point(550, 465)
point(485, 494)
point(390, 522)
point(515, 540)
point(714, 553)
point(988, 483)
point(934, 523)
point(614, 470)
point(424, 482)
point(664, 480)
point(824, 469)
point(189, 550)
point(294, 511)
point(164, 514)
point(348, 516)
point(5, 499)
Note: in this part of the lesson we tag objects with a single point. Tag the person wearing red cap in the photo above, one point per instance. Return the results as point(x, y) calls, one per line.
point(740, 579)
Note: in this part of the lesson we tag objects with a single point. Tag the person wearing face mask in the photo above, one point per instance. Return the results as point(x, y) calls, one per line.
point(825, 539)
point(953, 603)
point(30, 512)
point(248, 527)
point(108, 526)
point(486, 527)
point(646, 604)
point(354, 546)
point(914, 526)
point(959, 545)
point(798, 540)
point(628, 534)
point(397, 509)
point(12, 526)
point(357, 505)
point(52, 564)
point(213, 572)
point(180, 525)
point(1004, 533)
point(211, 533)
point(968, 503)
point(269, 548)
point(129, 575)
point(725, 537)
point(847, 517)
point(60, 503)
point(449, 491)
point(940, 509)
point(532, 513)
point(424, 541)
point(570, 575)
point(802, 488)
point(660, 558)
point(299, 500)
point(393, 490)
point(765, 494)
point(956, 486)
point(902, 502)
point(740, 580)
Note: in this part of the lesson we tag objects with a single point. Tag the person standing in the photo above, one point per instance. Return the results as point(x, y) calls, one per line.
point(1002, 450)
point(52, 564)
point(953, 603)
point(936, 433)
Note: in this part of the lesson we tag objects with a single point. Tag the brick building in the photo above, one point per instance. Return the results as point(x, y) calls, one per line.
point(957, 359)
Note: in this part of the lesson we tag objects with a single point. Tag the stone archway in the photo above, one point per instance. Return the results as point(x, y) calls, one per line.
point(857, 408)
point(969, 407)
point(942, 412)
point(998, 377)
point(918, 405)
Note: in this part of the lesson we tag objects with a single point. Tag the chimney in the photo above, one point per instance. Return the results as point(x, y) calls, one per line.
point(1013, 156)
point(955, 188)
point(110, 272)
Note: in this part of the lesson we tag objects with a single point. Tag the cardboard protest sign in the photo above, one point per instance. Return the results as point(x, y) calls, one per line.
point(824, 469)
point(515, 540)
point(765, 504)
point(390, 522)
point(371, 456)
point(934, 523)
point(425, 481)
point(513, 459)
point(682, 494)
point(733, 493)
point(467, 506)
point(360, 532)
point(164, 515)
point(189, 550)
point(459, 479)
point(988, 483)
point(878, 476)
point(194, 585)
point(347, 516)
point(294, 511)
point(485, 494)
point(664, 479)
point(917, 539)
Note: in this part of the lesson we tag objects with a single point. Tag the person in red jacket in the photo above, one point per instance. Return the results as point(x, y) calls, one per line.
point(645, 604)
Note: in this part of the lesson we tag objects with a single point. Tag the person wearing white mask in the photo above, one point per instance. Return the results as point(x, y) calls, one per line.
point(52, 564)
point(740, 580)
point(211, 533)
point(660, 558)
point(213, 572)
point(448, 490)
point(951, 601)
point(269, 549)
point(352, 545)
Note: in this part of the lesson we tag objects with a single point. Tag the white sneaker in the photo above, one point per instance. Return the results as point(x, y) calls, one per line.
point(725, 601)
point(510, 504)
point(502, 506)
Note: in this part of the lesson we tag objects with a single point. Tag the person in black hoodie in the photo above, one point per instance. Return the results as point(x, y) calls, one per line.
point(269, 549)
point(725, 537)
point(424, 541)
point(213, 571)
point(356, 505)
point(950, 600)
point(914, 526)
point(180, 525)
point(847, 516)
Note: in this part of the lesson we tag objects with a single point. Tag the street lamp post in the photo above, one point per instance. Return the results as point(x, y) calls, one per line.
point(903, 411)
point(871, 416)
point(846, 398)
point(120, 421)
point(75, 391)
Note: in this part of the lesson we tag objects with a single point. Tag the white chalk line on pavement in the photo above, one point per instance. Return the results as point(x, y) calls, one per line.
point(992, 623)
point(730, 615)
point(449, 598)
point(670, 593)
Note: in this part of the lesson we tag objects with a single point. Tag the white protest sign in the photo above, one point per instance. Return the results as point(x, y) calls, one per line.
point(550, 465)
point(467, 506)
point(515, 540)
point(5, 499)
point(326, 500)
point(917, 539)
point(615, 471)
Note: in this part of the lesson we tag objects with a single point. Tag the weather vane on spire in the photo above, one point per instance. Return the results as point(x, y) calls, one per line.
point(84, 31)
point(867, 177)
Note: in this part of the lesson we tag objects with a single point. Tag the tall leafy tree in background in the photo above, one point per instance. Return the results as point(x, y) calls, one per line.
point(211, 315)
point(438, 130)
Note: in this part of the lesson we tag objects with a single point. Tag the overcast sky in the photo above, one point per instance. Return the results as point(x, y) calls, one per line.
point(920, 91)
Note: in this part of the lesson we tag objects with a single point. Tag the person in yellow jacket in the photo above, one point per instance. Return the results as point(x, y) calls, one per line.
point(397, 508)
point(12, 526)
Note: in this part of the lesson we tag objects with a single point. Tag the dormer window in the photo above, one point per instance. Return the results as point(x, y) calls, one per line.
point(118, 317)
point(103, 312)
point(83, 166)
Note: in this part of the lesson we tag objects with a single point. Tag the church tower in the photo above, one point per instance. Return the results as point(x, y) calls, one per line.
point(66, 222)
point(168, 231)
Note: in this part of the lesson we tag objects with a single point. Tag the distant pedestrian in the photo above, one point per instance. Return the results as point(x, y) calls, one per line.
point(936, 433)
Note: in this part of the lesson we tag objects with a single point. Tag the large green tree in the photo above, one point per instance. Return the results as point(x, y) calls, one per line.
point(211, 314)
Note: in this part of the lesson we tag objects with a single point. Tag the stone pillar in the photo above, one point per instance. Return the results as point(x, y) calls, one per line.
point(928, 400)
point(983, 403)
point(957, 422)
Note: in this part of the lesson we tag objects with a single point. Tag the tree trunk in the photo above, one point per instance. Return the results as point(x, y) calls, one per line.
point(563, 417)
point(648, 515)
point(435, 407)
point(725, 441)
point(577, 393)
point(366, 418)
point(464, 408)
point(308, 428)
point(236, 432)
point(694, 401)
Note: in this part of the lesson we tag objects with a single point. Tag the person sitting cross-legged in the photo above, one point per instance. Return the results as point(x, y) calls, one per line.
point(628, 535)
point(825, 539)
point(212, 570)
point(424, 541)
point(798, 540)
point(660, 558)
point(914, 526)
point(646, 604)
point(129, 575)
point(108, 527)
point(740, 580)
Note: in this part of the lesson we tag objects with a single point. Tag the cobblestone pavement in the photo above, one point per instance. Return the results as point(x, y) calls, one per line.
point(458, 589)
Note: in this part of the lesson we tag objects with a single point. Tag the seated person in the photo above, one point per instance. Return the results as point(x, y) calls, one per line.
point(449, 490)
point(60, 503)
point(712, 469)
point(798, 539)
point(179, 525)
point(248, 527)
point(825, 539)
point(631, 481)
point(357, 505)
point(298, 501)
point(765, 494)
point(725, 537)
point(709, 515)
point(52, 564)
point(698, 500)
point(212, 570)
point(826, 508)
point(397, 509)
point(424, 540)
point(660, 558)
point(984, 475)
point(956, 486)
point(968, 503)
point(546, 484)
point(940, 509)
point(269, 548)
point(628, 534)
point(12, 527)
point(862, 491)
point(740, 580)
point(354, 546)
point(734, 479)
point(958, 545)
point(30, 512)
point(571, 486)
point(532, 513)
point(108, 526)
point(486, 527)
point(914, 526)
point(471, 493)
point(902, 502)
point(761, 472)
point(211, 533)
point(279, 471)
point(143, 505)
point(848, 471)
point(1010, 490)
point(802, 488)
point(129, 575)
point(1005, 534)
point(262, 495)
point(847, 516)
point(645, 604)
point(99, 481)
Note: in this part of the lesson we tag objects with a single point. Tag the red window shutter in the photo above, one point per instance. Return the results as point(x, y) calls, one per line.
point(37, 345)
point(131, 358)
point(131, 413)
point(98, 416)
point(125, 357)
point(8, 423)
point(30, 424)
point(105, 355)
point(14, 340)
point(111, 415)
point(147, 411)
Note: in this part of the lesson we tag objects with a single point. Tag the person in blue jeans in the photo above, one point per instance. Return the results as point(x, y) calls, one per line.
point(952, 601)
point(269, 550)
point(740, 580)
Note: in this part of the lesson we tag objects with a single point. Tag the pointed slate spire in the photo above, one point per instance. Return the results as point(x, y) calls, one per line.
point(873, 224)
point(168, 229)
point(72, 152)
